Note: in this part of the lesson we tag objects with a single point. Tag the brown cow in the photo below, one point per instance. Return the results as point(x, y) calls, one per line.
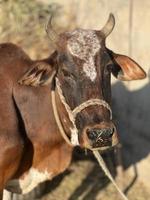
point(31, 122)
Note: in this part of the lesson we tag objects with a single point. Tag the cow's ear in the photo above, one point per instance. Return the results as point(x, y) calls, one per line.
point(125, 68)
point(40, 73)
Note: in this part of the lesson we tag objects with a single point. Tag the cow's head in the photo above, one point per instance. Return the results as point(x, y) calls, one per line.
point(82, 66)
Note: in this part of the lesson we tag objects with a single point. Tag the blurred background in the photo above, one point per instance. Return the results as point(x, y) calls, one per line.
point(23, 23)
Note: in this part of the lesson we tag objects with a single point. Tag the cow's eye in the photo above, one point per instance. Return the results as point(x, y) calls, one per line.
point(109, 67)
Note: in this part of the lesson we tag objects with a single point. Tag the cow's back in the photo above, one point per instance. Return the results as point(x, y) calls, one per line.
point(13, 61)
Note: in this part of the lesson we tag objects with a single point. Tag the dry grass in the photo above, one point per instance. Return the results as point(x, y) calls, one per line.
point(23, 22)
point(23, 16)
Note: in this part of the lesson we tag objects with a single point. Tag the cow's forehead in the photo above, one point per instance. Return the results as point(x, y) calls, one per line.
point(83, 43)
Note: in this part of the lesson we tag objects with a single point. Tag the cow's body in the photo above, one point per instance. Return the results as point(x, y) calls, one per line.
point(24, 156)
point(78, 73)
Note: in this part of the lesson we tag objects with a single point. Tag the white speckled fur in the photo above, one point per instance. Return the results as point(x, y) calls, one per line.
point(85, 44)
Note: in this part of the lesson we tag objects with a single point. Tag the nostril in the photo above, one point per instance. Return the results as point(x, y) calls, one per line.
point(108, 132)
point(92, 135)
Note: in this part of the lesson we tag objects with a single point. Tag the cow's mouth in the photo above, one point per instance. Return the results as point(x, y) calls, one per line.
point(102, 143)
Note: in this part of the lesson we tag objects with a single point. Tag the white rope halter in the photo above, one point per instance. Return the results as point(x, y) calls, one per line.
point(73, 113)
point(91, 102)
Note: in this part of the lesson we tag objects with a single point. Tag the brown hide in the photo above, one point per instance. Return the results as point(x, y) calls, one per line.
point(28, 134)
point(34, 105)
point(11, 141)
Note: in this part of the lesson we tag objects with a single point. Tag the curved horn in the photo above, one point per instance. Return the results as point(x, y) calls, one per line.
point(50, 31)
point(109, 26)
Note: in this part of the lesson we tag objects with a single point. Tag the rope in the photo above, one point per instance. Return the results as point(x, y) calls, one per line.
point(74, 132)
point(63, 100)
point(108, 174)
point(91, 102)
point(73, 113)
point(56, 115)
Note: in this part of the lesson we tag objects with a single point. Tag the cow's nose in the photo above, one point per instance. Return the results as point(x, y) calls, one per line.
point(105, 133)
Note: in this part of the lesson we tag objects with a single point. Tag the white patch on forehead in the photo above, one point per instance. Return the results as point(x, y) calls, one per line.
point(85, 44)
point(30, 181)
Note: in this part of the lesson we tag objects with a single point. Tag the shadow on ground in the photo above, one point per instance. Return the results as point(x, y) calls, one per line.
point(132, 113)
